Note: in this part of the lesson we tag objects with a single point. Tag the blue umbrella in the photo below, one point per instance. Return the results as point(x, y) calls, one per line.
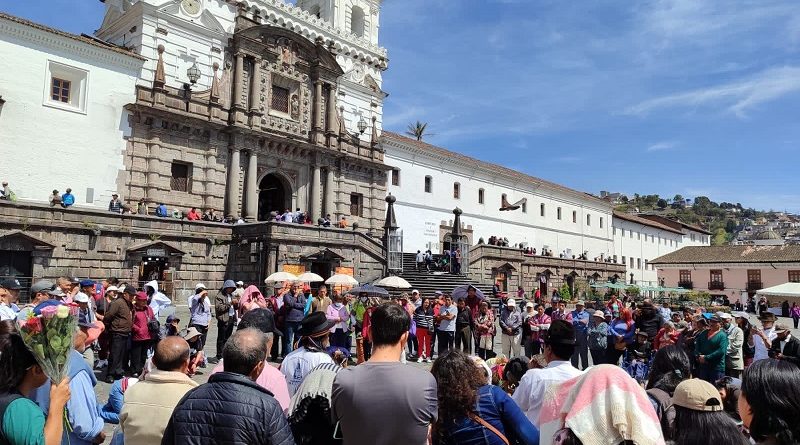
point(370, 290)
point(461, 292)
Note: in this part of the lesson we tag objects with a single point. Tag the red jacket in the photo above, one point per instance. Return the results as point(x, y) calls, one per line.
point(140, 319)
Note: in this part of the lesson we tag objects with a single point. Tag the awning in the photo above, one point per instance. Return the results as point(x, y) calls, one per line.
point(781, 290)
point(155, 249)
point(27, 239)
point(323, 255)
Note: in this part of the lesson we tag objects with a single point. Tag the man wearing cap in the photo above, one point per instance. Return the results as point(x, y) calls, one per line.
point(12, 288)
point(119, 321)
point(446, 325)
point(270, 378)
point(580, 321)
point(511, 328)
point(115, 205)
point(761, 338)
point(313, 339)
point(172, 326)
point(785, 346)
point(558, 349)
point(710, 348)
point(41, 291)
point(734, 362)
point(697, 395)
point(239, 289)
point(200, 313)
point(225, 306)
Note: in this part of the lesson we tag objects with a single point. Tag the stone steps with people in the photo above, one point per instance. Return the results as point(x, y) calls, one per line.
point(428, 283)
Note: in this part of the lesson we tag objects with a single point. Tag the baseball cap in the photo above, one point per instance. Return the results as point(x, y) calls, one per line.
point(724, 315)
point(739, 314)
point(129, 290)
point(172, 318)
point(438, 293)
point(199, 286)
point(74, 280)
point(781, 327)
point(11, 284)
point(529, 304)
point(511, 302)
point(80, 297)
point(697, 395)
point(42, 286)
point(414, 292)
point(112, 289)
point(141, 296)
point(599, 313)
point(240, 283)
point(87, 283)
point(580, 303)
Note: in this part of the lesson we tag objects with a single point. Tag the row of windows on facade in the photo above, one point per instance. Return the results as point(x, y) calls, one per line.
point(637, 264)
point(181, 181)
point(716, 279)
point(667, 242)
point(503, 198)
point(357, 22)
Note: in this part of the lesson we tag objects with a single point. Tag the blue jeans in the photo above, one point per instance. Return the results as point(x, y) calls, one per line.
point(289, 329)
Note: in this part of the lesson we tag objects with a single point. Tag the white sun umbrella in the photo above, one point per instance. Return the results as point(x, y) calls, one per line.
point(281, 276)
point(342, 279)
point(394, 282)
point(309, 277)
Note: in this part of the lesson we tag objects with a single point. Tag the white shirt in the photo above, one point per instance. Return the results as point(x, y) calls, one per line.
point(420, 257)
point(761, 351)
point(6, 313)
point(299, 363)
point(530, 393)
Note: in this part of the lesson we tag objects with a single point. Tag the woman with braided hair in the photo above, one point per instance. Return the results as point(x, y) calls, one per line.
point(770, 402)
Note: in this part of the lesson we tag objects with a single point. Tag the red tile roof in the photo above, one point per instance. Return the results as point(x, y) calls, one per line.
point(495, 168)
point(646, 222)
point(731, 254)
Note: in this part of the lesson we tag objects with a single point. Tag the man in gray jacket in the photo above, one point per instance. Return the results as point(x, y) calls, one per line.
point(511, 327)
point(734, 362)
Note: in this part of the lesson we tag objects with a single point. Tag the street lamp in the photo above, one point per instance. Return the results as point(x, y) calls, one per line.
point(362, 125)
point(193, 73)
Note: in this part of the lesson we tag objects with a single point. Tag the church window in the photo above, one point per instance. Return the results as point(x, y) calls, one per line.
point(456, 190)
point(541, 210)
point(601, 222)
point(588, 220)
point(395, 177)
point(61, 88)
point(181, 180)
point(280, 99)
point(558, 213)
point(574, 217)
point(480, 196)
point(356, 204)
point(357, 21)
point(428, 184)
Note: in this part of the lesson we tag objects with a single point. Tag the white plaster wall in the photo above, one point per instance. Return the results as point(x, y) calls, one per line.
point(639, 241)
point(417, 210)
point(44, 148)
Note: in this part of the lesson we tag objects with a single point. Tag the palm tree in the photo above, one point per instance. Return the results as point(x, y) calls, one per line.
point(417, 130)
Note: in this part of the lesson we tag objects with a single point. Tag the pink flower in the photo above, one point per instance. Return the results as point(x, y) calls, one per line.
point(49, 311)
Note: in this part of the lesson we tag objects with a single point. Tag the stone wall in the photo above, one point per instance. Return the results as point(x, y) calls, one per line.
point(523, 270)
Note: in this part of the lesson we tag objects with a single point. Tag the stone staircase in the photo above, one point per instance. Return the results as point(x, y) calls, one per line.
point(428, 283)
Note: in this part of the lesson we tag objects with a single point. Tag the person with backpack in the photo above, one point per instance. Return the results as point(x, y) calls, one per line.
point(141, 338)
point(22, 422)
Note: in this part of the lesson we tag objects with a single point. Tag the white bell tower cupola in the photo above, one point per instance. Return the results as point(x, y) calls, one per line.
point(357, 17)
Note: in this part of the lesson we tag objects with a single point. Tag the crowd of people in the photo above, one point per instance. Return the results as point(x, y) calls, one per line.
point(682, 371)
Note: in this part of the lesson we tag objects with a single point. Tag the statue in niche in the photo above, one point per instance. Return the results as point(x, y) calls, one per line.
point(288, 52)
point(294, 107)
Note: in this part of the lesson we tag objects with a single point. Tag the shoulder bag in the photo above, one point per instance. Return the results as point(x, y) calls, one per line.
point(488, 426)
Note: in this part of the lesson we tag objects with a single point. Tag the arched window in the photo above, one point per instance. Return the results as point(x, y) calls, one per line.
point(456, 190)
point(357, 21)
point(428, 184)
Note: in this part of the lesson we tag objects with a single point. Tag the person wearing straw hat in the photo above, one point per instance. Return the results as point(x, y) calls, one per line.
point(761, 338)
point(314, 333)
point(786, 346)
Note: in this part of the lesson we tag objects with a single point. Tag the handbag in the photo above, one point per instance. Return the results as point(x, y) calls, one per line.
point(489, 427)
point(154, 327)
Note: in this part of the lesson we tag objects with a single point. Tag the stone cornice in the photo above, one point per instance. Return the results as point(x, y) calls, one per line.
point(64, 42)
point(279, 13)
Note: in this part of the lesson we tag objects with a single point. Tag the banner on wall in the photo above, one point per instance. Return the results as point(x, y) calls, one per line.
point(296, 269)
point(346, 271)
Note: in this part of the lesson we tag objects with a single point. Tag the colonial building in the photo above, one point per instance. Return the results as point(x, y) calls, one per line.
point(729, 270)
point(62, 99)
point(254, 107)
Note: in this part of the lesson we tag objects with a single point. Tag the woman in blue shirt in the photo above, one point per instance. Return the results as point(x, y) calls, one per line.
point(22, 421)
point(472, 412)
point(621, 329)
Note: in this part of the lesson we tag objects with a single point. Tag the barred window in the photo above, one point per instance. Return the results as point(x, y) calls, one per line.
point(356, 204)
point(280, 99)
point(181, 180)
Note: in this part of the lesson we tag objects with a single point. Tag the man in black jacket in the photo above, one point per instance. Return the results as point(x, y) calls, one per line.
point(232, 408)
point(785, 346)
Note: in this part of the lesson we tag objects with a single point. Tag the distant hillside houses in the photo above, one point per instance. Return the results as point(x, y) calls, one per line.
point(775, 229)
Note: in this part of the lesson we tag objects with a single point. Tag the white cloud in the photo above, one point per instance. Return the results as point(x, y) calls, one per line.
point(661, 146)
point(735, 97)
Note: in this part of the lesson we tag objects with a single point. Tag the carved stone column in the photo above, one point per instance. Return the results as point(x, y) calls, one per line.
point(331, 121)
point(152, 171)
point(251, 188)
point(314, 207)
point(255, 83)
point(232, 187)
point(329, 206)
point(318, 116)
point(238, 80)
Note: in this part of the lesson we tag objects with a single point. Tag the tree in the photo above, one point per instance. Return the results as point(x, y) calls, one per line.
point(678, 199)
point(662, 203)
point(418, 130)
point(730, 226)
point(720, 237)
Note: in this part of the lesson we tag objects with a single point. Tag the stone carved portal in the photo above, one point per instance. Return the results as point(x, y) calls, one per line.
point(274, 195)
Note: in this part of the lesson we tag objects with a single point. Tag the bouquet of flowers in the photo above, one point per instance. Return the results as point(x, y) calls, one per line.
point(49, 336)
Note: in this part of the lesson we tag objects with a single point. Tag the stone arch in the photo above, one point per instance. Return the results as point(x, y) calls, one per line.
point(275, 193)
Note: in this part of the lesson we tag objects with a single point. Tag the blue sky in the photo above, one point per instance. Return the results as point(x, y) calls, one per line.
point(653, 96)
